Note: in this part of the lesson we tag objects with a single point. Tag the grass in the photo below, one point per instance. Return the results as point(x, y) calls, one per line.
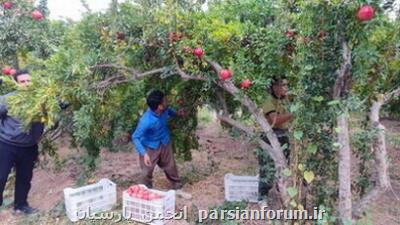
point(192, 175)
point(394, 139)
point(205, 116)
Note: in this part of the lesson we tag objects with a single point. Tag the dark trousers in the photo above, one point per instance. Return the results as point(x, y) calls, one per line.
point(267, 167)
point(164, 158)
point(23, 159)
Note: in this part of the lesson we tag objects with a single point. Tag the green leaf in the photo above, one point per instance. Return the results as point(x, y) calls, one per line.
point(312, 149)
point(318, 98)
point(334, 102)
point(338, 129)
point(292, 191)
point(309, 176)
point(293, 108)
point(309, 67)
point(293, 203)
point(298, 134)
point(300, 167)
point(336, 145)
point(286, 172)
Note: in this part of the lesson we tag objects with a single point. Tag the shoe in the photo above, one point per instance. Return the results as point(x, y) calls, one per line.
point(25, 210)
point(183, 194)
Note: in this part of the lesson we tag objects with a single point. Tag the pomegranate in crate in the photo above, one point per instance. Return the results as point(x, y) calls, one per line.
point(149, 206)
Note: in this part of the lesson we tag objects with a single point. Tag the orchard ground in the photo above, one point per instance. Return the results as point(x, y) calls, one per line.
point(219, 153)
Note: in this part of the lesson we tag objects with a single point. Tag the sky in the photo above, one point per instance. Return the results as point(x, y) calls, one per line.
point(73, 9)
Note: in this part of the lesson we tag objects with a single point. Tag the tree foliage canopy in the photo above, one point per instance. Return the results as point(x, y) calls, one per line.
point(102, 64)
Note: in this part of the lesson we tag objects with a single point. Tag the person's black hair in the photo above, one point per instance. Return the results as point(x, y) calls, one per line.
point(154, 99)
point(18, 73)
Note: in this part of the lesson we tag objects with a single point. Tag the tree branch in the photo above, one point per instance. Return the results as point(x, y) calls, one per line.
point(380, 155)
point(115, 66)
point(391, 95)
point(344, 154)
point(248, 130)
point(224, 106)
point(365, 201)
point(342, 81)
point(344, 167)
point(275, 150)
point(119, 79)
point(142, 75)
point(186, 76)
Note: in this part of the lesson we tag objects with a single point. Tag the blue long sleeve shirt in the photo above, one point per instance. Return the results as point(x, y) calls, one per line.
point(152, 130)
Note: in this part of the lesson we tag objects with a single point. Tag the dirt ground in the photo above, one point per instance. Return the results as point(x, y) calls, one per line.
point(204, 176)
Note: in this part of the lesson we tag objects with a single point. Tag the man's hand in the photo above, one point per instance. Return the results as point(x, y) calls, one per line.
point(146, 159)
point(181, 112)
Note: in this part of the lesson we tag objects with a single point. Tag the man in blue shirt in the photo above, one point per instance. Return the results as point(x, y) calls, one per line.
point(152, 140)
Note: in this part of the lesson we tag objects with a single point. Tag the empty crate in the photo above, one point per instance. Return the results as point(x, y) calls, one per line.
point(93, 198)
point(241, 188)
point(145, 211)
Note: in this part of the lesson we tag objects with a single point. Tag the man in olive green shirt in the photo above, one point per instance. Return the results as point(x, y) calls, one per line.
point(274, 109)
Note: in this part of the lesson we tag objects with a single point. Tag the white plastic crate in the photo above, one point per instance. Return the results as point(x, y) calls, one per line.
point(93, 198)
point(241, 188)
point(143, 211)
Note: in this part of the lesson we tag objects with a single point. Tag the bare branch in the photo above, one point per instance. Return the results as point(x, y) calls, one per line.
point(109, 81)
point(119, 79)
point(248, 130)
point(186, 76)
point(216, 67)
point(344, 154)
point(360, 207)
point(115, 66)
point(380, 155)
point(379, 145)
point(142, 75)
point(224, 106)
point(391, 95)
point(342, 81)
point(275, 151)
point(344, 169)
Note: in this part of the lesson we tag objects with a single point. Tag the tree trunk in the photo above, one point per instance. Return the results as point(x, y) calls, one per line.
point(275, 150)
point(340, 90)
point(380, 154)
point(379, 147)
point(344, 157)
point(223, 108)
point(282, 182)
